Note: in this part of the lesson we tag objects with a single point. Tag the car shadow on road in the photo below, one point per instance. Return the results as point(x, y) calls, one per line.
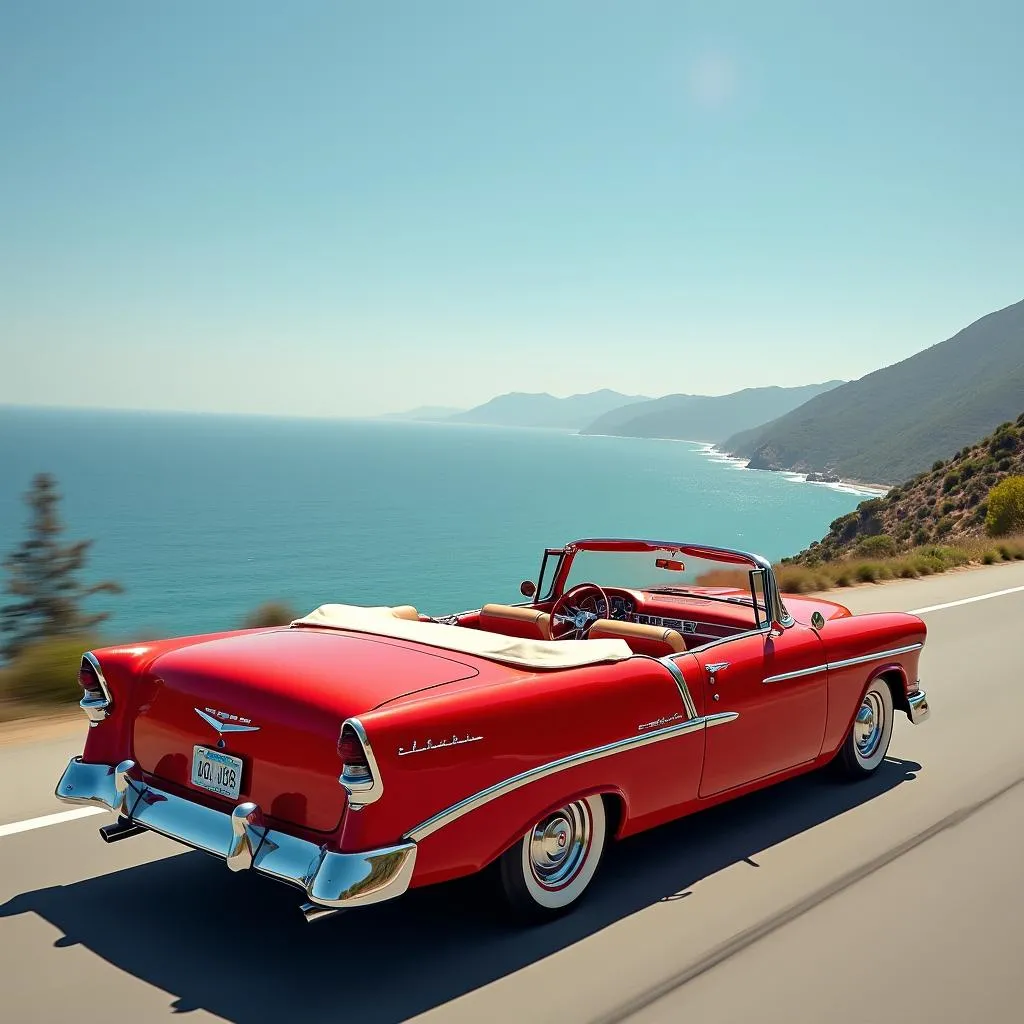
point(236, 945)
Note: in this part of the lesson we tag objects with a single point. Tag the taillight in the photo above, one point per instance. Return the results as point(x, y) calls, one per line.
point(360, 776)
point(355, 767)
point(95, 700)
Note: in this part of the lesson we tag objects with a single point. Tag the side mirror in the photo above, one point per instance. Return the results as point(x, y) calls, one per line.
point(527, 588)
point(817, 620)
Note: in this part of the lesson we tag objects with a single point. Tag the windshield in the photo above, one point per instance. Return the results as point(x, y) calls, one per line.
point(662, 569)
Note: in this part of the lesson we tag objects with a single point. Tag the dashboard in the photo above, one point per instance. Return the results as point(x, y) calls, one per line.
point(625, 609)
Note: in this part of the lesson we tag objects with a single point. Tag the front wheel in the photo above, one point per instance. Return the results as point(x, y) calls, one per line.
point(867, 742)
point(549, 869)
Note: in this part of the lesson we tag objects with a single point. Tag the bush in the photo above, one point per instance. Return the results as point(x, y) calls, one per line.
point(937, 465)
point(989, 557)
point(270, 613)
point(879, 546)
point(1006, 507)
point(46, 672)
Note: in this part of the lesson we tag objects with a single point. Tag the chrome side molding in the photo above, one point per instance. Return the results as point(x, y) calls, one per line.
point(829, 666)
point(514, 782)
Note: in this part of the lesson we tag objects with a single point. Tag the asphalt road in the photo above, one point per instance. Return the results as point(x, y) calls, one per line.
point(897, 899)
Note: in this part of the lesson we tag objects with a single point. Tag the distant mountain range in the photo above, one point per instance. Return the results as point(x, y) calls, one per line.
point(704, 417)
point(883, 428)
point(896, 421)
point(688, 417)
point(520, 409)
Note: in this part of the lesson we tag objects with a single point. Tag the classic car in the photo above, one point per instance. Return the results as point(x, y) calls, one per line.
point(362, 751)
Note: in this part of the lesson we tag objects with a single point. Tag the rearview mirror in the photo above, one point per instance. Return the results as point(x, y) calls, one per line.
point(527, 588)
point(672, 564)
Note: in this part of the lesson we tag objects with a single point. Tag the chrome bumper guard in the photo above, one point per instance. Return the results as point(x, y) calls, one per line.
point(330, 880)
point(919, 710)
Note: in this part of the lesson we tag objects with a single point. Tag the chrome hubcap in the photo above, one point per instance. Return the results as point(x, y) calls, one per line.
point(867, 730)
point(559, 845)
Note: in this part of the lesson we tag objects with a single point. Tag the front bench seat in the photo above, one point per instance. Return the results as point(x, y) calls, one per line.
point(515, 620)
point(655, 641)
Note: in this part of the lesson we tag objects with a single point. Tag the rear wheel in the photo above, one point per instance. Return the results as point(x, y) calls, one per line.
point(550, 868)
point(867, 742)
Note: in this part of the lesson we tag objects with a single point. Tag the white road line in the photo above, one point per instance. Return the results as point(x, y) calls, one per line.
point(48, 819)
point(966, 600)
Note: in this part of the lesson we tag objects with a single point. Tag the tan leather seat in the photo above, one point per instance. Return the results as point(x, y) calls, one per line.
point(406, 611)
point(511, 620)
point(653, 640)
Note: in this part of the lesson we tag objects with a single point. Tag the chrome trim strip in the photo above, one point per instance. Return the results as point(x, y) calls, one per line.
point(361, 793)
point(681, 685)
point(798, 674)
point(830, 666)
point(543, 771)
point(96, 711)
point(330, 879)
point(865, 658)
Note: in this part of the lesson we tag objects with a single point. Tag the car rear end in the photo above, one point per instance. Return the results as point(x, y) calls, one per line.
point(249, 747)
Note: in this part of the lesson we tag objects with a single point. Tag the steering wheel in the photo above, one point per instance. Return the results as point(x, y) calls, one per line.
point(577, 610)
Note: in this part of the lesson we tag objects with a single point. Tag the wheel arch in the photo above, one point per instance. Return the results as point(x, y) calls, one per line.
point(896, 678)
point(616, 806)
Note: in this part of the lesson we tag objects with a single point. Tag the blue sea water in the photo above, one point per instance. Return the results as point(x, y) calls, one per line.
point(202, 518)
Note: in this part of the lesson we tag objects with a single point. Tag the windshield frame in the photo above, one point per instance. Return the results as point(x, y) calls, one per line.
point(759, 567)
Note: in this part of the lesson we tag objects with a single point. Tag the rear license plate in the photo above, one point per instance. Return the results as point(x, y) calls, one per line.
point(216, 772)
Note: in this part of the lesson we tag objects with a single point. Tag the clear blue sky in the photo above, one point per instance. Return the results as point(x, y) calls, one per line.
point(344, 208)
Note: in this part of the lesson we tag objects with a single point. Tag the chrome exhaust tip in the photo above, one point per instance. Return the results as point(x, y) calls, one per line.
point(315, 911)
point(123, 828)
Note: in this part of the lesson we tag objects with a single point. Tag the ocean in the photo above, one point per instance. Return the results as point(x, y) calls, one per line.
point(201, 518)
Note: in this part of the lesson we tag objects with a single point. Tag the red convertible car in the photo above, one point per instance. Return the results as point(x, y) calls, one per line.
point(359, 752)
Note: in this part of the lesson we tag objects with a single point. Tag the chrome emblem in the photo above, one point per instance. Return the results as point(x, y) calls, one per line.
point(431, 745)
point(223, 722)
point(658, 723)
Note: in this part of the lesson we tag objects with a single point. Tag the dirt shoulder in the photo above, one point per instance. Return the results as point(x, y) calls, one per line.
point(29, 723)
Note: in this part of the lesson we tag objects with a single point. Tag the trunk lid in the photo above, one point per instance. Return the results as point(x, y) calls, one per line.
point(280, 698)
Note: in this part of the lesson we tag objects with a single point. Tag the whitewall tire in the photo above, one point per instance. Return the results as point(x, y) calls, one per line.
point(551, 866)
point(867, 742)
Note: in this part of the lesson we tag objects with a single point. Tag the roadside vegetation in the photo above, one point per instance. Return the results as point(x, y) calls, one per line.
point(882, 563)
point(977, 493)
point(45, 626)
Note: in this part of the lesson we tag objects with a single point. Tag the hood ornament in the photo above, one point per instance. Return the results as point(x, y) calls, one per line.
point(223, 722)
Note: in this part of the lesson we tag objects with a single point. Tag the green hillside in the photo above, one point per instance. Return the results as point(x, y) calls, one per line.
point(942, 505)
point(704, 417)
point(896, 421)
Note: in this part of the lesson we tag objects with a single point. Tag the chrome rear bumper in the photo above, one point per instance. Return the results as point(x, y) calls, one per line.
point(332, 880)
point(919, 710)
